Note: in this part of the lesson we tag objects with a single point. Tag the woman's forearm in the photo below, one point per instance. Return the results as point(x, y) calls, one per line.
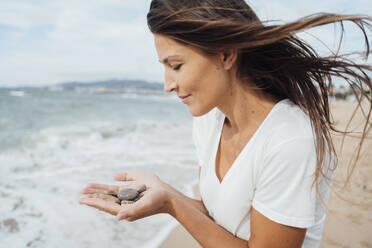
point(196, 203)
point(194, 217)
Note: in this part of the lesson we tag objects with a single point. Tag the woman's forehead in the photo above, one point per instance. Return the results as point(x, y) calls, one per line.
point(170, 49)
point(166, 43)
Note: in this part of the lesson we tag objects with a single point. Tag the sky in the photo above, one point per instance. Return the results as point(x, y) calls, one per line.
point(44, 42)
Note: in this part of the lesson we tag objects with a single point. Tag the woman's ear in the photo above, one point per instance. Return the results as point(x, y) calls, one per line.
point(228, 58)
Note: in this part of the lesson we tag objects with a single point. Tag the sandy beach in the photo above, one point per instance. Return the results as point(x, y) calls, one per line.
point(349, 220)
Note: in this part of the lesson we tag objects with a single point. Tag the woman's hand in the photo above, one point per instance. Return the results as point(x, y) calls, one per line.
point(154, 199)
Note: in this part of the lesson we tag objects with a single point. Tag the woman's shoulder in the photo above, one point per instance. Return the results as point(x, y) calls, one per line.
point(288, 121)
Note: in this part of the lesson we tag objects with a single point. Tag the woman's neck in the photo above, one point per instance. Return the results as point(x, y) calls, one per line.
point(245, 109)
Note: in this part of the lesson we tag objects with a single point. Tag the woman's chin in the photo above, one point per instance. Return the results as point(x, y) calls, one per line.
point(193, 111)
point(196, 112)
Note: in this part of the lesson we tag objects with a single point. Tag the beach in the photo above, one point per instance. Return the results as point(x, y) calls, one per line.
point(55, 141)
point(349, 221)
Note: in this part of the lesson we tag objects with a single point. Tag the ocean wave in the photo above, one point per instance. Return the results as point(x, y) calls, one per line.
point(19, 93)
point(44, 201)
point(95, 132)
point(103, 141)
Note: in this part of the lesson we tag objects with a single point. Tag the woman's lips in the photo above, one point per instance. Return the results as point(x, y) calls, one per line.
point(185, 98)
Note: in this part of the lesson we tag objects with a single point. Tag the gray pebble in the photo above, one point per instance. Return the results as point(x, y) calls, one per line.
point(141, 188)
point(127, 202)
point(138, 197)
point(127, 194)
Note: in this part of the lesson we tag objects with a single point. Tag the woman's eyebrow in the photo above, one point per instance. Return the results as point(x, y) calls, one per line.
point(167, 59)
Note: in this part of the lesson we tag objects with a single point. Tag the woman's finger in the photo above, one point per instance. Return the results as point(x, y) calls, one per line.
point(124, 177)
point(107, 206)
point(138, 210)
point(130, 216)
point(108, 190)
point(127, 212)
point(100, 188)
point(92, 191)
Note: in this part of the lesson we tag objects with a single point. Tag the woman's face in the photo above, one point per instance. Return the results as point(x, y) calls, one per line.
point(190, 73)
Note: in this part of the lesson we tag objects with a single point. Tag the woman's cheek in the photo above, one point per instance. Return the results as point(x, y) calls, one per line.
point(187, 81)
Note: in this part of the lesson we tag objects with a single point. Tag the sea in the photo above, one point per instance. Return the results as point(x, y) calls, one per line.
point(55, 141)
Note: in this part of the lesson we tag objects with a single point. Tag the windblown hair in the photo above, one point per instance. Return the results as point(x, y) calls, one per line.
point(273, 58)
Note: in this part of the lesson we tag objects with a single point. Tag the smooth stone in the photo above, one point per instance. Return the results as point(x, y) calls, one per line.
point(138, 197)
point(105, 197)
point(127, 202)
point(140, 188)
point(127, 194)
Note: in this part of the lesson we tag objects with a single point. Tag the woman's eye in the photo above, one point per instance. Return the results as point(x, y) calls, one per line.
point(176, 68)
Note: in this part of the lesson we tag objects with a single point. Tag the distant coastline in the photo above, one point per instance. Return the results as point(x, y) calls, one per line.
point(109, 85)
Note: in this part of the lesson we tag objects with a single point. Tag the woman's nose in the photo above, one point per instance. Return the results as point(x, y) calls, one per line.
point(169, 86)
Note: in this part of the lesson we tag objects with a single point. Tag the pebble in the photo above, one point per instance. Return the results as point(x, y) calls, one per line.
point(106, 197)
point(138, 197)
point(127, 194)
point(140, 188)
point(123, 196)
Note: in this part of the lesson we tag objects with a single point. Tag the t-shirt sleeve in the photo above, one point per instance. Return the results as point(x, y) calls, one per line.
point(196, 132)
point(284, 191)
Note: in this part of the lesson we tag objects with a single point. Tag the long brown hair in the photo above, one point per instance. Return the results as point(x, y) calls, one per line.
point(273, 58)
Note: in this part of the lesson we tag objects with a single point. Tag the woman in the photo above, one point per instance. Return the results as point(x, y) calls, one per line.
point(261, 126)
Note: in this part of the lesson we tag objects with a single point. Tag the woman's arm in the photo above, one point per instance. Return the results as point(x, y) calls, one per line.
point(199, 224)
point(264, 232)
point(182, 208)
point(198, 204)
point(195, 202)
point(162, 198)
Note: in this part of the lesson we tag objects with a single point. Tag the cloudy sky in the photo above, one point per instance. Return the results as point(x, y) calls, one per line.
point(48, 41)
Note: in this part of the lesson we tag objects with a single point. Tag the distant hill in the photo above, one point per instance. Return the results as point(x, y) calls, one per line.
point(113, 84)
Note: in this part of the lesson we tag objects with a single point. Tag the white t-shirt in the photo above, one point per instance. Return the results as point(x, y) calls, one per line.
point(273, 173)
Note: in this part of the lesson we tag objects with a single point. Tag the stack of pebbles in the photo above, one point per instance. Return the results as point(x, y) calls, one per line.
point(123, 196)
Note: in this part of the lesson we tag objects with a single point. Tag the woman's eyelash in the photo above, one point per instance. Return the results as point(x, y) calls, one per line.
point(177, 67)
